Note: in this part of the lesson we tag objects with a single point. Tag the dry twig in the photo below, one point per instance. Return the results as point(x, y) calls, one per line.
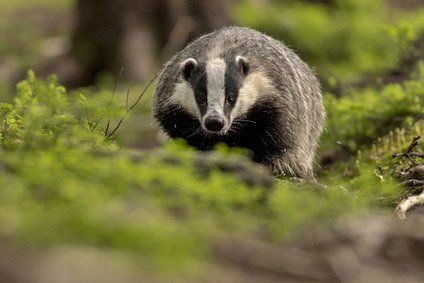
point(111, 99)
point(411, 183)
point(409, 152)
point(408, 203)
point(109, 135)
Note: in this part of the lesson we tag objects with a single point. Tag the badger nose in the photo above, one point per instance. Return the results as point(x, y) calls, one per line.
point(214, 123)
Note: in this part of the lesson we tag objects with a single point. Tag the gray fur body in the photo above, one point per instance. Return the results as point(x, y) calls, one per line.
point(283, 117)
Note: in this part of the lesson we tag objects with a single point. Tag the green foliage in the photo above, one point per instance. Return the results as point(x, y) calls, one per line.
point(345, 40)
point(62, 183)
point(397, 142)
point(356, 120)
point(303, 206)
point(42, 115)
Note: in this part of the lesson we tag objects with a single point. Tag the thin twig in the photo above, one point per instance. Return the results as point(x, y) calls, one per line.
point(116, 128)
point(97, 122)
point(126, 99)
point(416, 154)
point(132, 106)
point(144, 91)
point(409, 152)
point(413, 183)
point(413, 144)
point(112, 97)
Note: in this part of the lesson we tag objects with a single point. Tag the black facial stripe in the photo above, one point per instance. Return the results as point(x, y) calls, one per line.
point(264, 137)
point(180, 124)
point(199, 84)
point(233, 81)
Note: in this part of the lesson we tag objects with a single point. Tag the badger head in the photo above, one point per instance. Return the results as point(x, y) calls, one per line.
point(217, 92)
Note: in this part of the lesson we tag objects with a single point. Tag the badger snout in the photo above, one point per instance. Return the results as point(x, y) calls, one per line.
point(214, 122)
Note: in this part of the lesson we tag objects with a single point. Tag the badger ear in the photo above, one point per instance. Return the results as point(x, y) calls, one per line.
point(242, 65)
point(187, 68)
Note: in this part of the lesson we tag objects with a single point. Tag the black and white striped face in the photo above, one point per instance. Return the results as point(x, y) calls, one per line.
point(215, 91)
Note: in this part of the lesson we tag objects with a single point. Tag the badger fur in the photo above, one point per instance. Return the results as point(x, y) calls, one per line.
point(246, 89)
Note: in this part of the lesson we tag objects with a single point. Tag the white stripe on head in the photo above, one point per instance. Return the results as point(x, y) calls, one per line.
point(184, 97)
point(254, 85)
point(215, 70)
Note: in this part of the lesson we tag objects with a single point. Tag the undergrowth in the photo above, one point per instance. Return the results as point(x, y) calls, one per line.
point(64, 183)
point(360, 117)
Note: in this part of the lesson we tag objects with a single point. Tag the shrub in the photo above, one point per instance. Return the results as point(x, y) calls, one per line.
point(358, 119)
point(386, 153)
point(42, 115)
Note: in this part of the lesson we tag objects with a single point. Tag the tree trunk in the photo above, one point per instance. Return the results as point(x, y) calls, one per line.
point(133, 36)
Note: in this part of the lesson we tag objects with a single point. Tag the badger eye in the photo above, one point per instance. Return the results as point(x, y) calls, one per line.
point(230, 99)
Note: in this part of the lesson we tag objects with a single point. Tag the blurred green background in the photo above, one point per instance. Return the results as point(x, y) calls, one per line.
point(76, 205)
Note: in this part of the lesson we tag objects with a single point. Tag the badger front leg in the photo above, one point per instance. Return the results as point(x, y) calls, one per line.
point(293, 164)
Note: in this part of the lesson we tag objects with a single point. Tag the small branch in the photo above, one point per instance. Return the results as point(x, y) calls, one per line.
point(89, 123)
point(116, 128)
point(416, 154)
point(97, 122)
point(413, 183)
point(132, 106)
point(413, 144)
point(143, 92)
point(112, 97)
point(126, 99)
point(408, 203)
point(409, 152)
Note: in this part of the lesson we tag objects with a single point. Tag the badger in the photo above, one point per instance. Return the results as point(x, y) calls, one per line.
point(243, 88)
